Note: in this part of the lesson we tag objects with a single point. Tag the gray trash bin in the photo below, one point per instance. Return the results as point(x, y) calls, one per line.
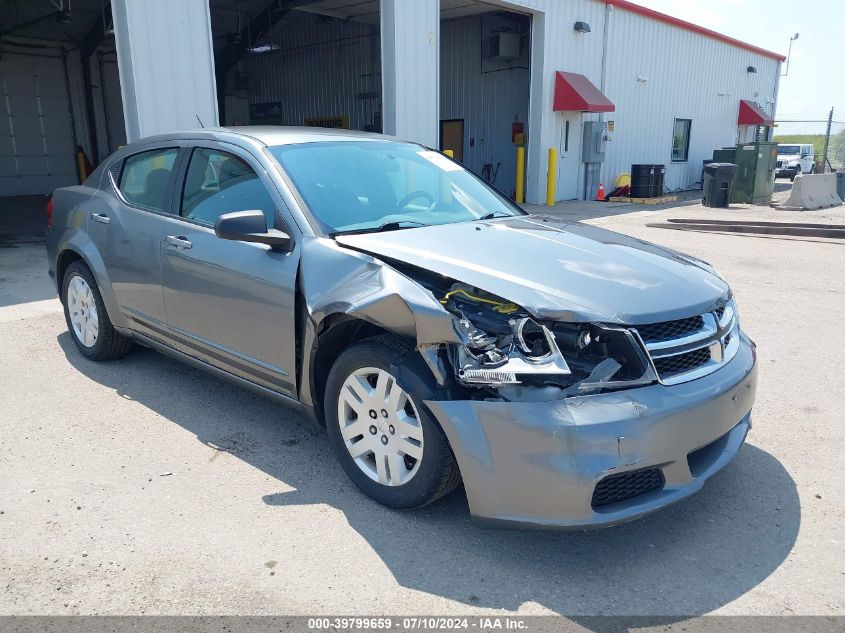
point(718, 178)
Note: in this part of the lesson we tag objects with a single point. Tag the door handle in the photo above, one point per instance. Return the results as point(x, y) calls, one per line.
point(178, 241)
point(100, 217)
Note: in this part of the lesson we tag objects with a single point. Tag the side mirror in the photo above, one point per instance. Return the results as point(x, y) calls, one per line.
point(251, 226)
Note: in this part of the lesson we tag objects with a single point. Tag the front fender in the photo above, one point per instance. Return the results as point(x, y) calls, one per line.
point(334, 280)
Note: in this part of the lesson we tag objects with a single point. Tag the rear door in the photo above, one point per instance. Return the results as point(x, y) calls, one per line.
point(229, 303)
point(125, 222)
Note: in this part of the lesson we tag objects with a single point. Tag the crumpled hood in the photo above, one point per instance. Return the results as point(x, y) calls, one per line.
point(557, 269)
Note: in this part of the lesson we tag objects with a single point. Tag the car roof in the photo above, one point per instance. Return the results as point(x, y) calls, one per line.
point(269, 135)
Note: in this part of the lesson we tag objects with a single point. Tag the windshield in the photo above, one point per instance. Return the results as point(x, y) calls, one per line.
point(789, 149)
point(370, 185)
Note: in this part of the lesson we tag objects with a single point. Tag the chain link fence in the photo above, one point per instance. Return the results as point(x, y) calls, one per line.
point(814, 131)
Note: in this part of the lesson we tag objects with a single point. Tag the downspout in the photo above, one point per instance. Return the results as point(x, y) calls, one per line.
point(590, 178)
point(775, 104)
point(608, 8)
point(103, 99)
point(70, 110)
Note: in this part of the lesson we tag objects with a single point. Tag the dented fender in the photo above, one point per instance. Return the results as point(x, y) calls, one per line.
point(339, 281)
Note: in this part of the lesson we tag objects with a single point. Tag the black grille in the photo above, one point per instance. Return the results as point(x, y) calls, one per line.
point(624, 486)
point(681, 363)
point(668, 330)
point(720, 312)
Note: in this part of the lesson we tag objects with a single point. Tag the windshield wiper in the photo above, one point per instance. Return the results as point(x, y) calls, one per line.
point(387, 226)
point(494, 214)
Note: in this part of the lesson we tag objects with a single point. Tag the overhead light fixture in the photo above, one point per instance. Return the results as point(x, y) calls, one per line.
point(264, 48)
point(582, 27)
point(789, 54)
point(752, 69)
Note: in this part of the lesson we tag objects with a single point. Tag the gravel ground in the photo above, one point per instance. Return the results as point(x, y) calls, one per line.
point(145, 486)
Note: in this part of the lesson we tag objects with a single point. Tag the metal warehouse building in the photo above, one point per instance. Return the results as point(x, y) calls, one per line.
point(607, 83)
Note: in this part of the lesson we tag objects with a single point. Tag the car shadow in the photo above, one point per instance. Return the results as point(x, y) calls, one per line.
point(688, 559)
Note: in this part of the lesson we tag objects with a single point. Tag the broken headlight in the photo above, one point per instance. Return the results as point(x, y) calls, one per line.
point(562, 359)
point(529, 349)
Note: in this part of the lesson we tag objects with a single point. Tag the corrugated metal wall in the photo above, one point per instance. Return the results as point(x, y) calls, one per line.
point(689, 76)
point(487, 94)
point(324, 67)
point(686, 72)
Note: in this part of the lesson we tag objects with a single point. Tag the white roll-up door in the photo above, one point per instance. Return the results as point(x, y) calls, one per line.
point(37, 152)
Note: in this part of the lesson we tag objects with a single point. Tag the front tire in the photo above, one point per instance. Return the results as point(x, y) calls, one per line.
point(379, 429)
point(86, 316)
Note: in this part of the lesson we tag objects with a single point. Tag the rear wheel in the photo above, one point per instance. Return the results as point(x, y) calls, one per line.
point(86, 316)
point(385, 440)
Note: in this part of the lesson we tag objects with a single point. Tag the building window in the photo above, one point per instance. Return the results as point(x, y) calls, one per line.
point(680, 140)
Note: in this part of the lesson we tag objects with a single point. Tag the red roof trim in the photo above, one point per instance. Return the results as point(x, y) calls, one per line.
point(689, 26)
point(751, 114)
point(575, 93)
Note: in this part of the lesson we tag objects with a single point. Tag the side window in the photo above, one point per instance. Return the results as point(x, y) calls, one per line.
point(217, 183)
point(146, 177)
point(680, 140)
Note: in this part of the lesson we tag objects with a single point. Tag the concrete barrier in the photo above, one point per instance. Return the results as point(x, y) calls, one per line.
point(812, 191)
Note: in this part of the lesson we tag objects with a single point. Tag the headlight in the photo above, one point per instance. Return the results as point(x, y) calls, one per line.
point(503, 348)
point(529, 350)
point(573, 358)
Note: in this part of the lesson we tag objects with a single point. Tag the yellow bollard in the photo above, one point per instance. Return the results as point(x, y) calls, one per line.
point(449, 153)
point(551, 177)
point(519, 198)
point(80, 166)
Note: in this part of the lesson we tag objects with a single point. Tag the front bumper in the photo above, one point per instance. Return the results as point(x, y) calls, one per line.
point(787, 172)
point(538, 463)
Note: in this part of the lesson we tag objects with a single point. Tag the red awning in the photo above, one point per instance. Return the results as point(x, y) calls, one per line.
point(751, 114)
point(575, 93)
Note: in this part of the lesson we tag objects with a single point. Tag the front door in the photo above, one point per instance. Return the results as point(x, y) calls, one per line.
point(229, 303)
point(569, 163)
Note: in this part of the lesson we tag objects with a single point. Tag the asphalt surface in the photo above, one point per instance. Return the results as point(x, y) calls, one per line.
point(145, 486)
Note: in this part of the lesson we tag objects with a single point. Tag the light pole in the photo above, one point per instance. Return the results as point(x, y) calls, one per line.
point(789, 54)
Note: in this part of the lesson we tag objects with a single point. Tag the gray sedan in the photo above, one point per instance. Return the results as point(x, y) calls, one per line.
point(565, 374)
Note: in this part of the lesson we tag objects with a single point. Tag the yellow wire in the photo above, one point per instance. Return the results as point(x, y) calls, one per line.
point(501, 306)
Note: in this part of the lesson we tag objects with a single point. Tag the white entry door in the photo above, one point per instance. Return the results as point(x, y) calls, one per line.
point(569, 151)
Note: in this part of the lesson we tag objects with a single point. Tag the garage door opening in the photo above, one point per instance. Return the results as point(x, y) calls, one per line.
point(484, 84)
point(59, 94)
point(306, 63)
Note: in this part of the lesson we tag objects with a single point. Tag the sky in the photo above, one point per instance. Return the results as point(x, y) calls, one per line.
point(816, 79)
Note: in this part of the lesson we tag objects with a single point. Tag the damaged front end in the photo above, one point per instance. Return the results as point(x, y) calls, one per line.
point(504, 352)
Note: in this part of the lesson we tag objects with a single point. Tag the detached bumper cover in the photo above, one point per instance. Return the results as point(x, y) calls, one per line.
point(538, 463)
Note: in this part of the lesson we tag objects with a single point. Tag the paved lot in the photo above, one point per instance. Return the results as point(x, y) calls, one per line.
point(144, 486)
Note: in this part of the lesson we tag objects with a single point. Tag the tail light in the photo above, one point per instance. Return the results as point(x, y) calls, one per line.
point(50, 213)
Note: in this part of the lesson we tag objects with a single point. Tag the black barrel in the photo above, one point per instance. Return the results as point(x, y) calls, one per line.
point(659, 174)
point(642, 181)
